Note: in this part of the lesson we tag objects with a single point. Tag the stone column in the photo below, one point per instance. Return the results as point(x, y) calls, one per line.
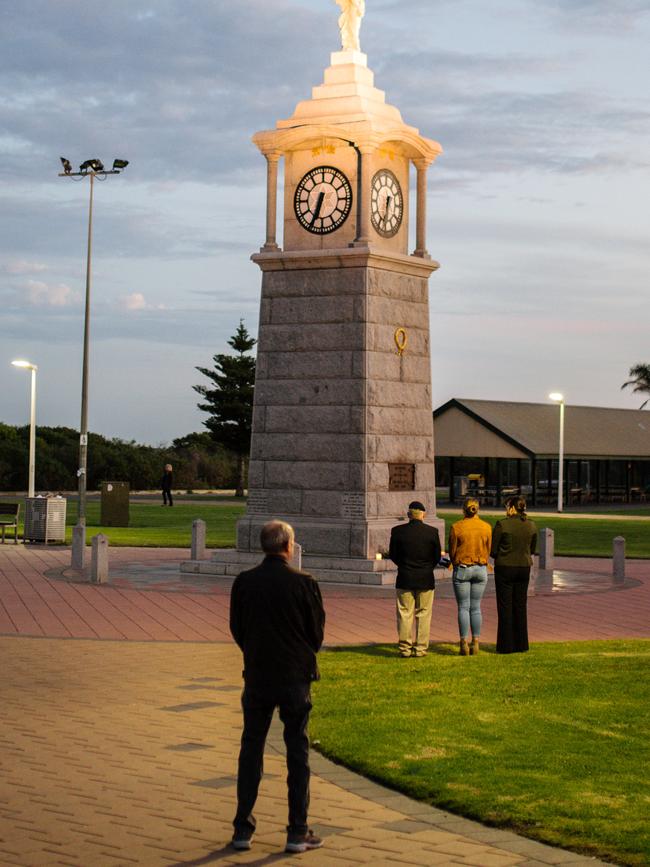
point(546, 548)
point(272, 160)
point(78, 546)
point(422, 167)
point(99, 559)
point(363, 193)
point(198, 539)
point(618, 560)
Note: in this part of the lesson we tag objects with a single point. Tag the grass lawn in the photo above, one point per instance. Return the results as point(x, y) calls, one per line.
point(151, 525)
point(553, 744)
point(584, 537)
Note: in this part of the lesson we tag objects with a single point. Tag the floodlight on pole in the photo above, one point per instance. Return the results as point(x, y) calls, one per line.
point(27, 365)
point(90, 168)
point(559, 398)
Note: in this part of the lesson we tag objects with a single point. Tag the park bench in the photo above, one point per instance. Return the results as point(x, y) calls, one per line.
point(9, 518)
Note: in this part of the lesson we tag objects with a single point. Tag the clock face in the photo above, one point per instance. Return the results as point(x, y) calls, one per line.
point(323, 200)
point(386, 203)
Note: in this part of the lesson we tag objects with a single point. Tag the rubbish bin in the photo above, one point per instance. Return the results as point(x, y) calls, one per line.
point(114, 504)
point(45, 519)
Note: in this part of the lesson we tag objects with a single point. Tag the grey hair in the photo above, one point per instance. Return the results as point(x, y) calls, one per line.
point(276, 536)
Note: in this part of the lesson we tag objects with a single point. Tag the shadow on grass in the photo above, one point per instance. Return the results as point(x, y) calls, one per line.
point(439, 648)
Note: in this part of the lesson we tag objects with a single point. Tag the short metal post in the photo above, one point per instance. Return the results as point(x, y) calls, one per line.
point(99, 559)
point(618, 562)
point(198, 540)
point(546, 549)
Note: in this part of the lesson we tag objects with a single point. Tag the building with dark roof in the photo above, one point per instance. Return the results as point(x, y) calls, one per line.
point(495, 448)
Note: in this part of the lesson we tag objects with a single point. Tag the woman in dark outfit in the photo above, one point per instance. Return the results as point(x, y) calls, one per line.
point(514, 540)
point(167, 485)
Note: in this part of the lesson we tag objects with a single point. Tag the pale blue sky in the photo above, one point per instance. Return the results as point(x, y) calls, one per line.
point(538, 209)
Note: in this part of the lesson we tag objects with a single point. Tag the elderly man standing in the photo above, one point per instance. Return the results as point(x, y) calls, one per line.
point(277, 619)
point(415, 548)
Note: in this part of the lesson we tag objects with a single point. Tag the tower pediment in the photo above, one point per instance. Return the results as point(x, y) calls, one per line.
point(347, 106)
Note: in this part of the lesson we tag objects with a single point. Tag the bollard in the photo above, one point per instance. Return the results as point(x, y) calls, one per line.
point(618, 562)
point(78, 547)
point(546, 549)
point(296, 560)
point(99, 559)
point(198, 539)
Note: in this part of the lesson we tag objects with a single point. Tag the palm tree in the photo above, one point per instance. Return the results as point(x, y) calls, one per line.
point(640, 379)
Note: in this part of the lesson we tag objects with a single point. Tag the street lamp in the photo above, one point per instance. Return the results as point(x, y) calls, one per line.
point(32, 424)
point(559, 398)
point(91, 168)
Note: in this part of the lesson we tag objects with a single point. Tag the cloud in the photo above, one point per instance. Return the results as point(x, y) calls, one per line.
point(176, 92)
point(20, 266)
point(600, 14)
point(41, 294)
point(134, 301)
point(487, 125)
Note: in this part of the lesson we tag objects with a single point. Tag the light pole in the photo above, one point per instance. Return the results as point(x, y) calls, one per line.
point(559, 398)
point(32, 424)
point(91, 169)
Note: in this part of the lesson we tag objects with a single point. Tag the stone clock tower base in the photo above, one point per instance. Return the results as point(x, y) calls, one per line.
point(343, 431)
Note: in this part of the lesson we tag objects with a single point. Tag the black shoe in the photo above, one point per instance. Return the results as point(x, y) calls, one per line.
point(302, 842)
point(241, 841)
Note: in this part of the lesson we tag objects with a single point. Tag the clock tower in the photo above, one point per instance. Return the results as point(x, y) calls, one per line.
point(342, 424)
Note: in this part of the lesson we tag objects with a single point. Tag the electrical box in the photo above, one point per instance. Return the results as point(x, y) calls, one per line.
point(114, 504)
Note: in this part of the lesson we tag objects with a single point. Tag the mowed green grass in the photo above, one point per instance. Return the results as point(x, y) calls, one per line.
point(584, 537)
point(553, 744)
point(152, 525)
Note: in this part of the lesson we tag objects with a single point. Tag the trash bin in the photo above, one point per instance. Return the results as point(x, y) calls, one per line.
point(45, 519)
point(114, 504)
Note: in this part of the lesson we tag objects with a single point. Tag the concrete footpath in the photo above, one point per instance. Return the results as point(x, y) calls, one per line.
point(120, 721)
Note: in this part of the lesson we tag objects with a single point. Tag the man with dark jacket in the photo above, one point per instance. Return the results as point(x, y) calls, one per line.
point(277, 619)
point(415, 548)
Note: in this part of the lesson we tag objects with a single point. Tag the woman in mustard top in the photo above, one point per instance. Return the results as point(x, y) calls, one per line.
point(469, 549)
point(513, 543)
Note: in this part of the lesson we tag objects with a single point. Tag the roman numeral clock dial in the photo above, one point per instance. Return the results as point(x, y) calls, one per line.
point(323, 200)
point(386, 203)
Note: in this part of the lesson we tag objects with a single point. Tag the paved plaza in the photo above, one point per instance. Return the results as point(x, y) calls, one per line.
point(120, 719)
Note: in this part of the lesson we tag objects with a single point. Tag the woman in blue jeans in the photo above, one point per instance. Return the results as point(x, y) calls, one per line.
point(469, 550)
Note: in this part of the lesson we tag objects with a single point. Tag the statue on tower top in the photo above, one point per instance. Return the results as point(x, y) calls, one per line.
point(350, 23)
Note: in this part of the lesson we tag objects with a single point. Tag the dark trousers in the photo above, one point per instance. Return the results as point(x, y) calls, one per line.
point(511, 584)
point(258, 704)
point(167, 495)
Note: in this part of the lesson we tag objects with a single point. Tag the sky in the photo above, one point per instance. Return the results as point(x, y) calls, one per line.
point(538, 209)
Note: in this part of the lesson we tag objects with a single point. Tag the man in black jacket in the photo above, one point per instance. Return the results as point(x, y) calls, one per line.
point(415, 548)
point(277, 619)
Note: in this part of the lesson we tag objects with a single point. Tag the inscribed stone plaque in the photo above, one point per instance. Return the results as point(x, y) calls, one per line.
point(401, 477)
point(353, 506)
point(258, 502)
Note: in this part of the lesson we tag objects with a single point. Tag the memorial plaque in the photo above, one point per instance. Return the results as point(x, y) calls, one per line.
point(258, 502)
point(353, 506)
point(401, 477)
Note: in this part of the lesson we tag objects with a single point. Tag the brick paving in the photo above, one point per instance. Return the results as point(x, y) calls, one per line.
point(146, 601)
point(121, 750)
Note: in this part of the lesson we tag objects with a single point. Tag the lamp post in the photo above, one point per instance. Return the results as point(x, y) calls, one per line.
point(559, 398)
point(32, 425)
point(92, 169)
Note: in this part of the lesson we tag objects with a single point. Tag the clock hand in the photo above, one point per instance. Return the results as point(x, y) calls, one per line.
point(388, 201)
point(319, 205)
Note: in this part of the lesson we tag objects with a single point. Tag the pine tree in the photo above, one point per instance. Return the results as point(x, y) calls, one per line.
point(229, 399)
